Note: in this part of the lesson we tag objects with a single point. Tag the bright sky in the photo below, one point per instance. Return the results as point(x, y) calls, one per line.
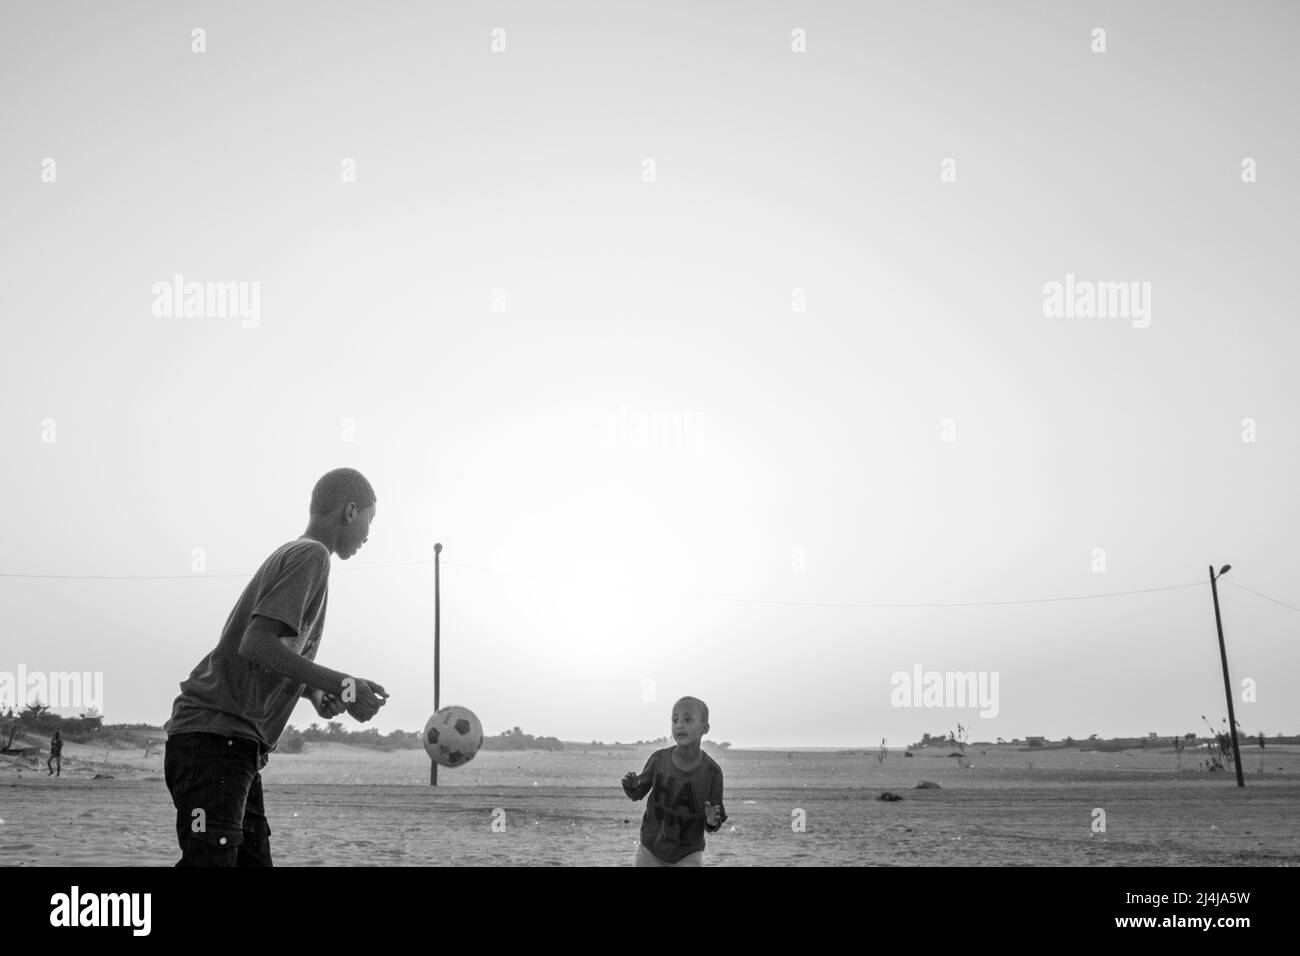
point(596, 568)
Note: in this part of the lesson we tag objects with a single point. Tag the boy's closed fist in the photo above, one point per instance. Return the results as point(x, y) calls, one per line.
point(326, 704)
point(712, 815)
point(363, 698)
point(630, 781)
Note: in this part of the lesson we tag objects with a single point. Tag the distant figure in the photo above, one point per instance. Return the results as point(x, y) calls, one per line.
point(55, 763)
point(685, 787)
point(234, 706)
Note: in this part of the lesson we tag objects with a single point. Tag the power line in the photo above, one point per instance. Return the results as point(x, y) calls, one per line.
point(691, 597)
point(1074, 597)
point(741, 600)
point(1264, 596)
point(192, 576)
point(120, 577)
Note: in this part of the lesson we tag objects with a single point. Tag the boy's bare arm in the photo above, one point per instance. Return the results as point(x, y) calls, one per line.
point(637, 785)
point(261, 645)
point(715, 814)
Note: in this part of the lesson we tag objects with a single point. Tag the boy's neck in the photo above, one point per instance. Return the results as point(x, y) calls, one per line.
point(689, 752)
point(320, 530)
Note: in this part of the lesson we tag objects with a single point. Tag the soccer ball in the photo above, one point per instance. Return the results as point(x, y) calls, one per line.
point(452, 736)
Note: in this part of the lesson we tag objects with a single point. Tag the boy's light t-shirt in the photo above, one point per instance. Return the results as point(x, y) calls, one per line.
point(229, 695)
point(673, 826)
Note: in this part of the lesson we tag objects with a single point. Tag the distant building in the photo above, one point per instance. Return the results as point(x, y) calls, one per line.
point(1153, 735)
point(1035, 741)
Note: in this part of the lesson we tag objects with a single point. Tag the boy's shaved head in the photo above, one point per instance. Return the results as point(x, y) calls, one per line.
point(339, 487)
point(699, 706)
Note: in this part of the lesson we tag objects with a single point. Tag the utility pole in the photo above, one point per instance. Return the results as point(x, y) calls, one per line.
point(1227, 684)
point(437, 648)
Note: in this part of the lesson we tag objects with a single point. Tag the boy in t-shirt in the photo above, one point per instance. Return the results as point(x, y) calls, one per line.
point(685, 787)
point(236, 703)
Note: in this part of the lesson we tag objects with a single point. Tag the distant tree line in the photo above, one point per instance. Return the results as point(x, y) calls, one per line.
point(37, 718)
point(705, 744)
point(293, 740)
point(516, 739)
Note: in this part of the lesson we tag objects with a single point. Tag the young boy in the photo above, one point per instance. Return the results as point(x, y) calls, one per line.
point(56, 756)
point(234, 706)
point(685, 787)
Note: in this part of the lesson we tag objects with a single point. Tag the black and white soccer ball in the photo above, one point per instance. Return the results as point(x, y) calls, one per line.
point(453, 736)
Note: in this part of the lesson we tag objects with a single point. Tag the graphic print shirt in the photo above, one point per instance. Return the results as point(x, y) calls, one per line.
point(674, 826)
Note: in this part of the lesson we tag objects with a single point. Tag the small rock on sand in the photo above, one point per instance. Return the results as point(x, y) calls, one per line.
point(889, 797)
point(103, 776)
point(927, 785)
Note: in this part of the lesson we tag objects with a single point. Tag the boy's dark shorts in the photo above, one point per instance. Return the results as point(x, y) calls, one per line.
point(217, 790)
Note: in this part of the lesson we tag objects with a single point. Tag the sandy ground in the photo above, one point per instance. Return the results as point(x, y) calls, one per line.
point(339, 805)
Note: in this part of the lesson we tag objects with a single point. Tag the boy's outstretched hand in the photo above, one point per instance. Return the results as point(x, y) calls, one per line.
point(326, 704)
point(363, 698)
point(630, 781)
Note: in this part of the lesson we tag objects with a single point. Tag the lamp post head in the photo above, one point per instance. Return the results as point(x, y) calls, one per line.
point(1225, 569)
point(437, 549)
